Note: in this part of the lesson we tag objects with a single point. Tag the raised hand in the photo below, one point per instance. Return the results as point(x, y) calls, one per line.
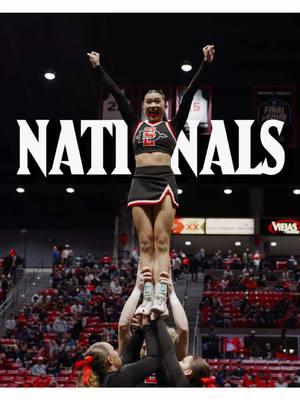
point(144, 275)
point(94, 58)
point(209, 52)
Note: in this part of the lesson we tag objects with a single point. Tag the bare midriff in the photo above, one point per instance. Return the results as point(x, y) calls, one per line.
point(155, 158)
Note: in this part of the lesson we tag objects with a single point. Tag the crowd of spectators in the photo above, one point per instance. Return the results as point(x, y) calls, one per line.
point(85, 297)
point(81, 306)
point(9, 266)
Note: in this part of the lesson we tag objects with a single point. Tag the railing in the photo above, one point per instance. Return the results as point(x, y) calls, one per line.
point(22, 287)
point(185, 296)
point(196, 336)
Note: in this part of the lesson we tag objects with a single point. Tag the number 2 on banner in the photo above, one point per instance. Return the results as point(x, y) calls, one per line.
point(112, 106)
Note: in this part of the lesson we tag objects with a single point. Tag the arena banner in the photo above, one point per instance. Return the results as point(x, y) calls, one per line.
point(280, 226)
point(277, 102)
point(108, 107)
point(201, 108)
point(233, 344)
point(230, 226)
point(168, 92)
point(188, 226)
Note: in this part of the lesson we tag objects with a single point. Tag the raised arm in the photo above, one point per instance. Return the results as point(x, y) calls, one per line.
point(168, 355)
point(130, 307)
point(180, 318)
point(181, 116)
point(132, 374)
point(104, 80)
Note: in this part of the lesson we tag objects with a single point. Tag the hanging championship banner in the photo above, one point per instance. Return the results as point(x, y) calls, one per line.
point(167, 90)
point(280, 226)
point(108, 106)
point(188, 226)
point(277, 102)
point(201, 107)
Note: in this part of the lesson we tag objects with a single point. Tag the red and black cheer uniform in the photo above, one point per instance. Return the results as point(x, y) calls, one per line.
point(135, 370)
point(150, 184)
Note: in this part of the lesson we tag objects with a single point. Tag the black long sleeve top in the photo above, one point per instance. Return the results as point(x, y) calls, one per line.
point(132, 372)
point(179, 120)
point(168, 355)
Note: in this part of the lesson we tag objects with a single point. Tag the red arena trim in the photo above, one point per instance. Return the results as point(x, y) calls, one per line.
point(167, 190)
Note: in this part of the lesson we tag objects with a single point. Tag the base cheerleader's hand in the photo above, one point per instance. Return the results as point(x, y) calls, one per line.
point(209, 52)
point(94, 58)
point(144, 275)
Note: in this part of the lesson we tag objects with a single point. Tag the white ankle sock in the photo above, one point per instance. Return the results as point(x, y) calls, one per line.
point(148, 290)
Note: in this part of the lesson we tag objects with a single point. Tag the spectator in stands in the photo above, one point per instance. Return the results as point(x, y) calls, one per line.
point(222, 375)
point(227, 319)
point(224, 284)
point(216, 303)
point(228, 274)
point(60, 325)
point(115, 287)
point(280, 381)
point(4, 362)
point(236, 303)
point(236, 261)
point(89, 260)
point(194, 266)
point(84, 295)
point(4, 287)
point(106, 259)
point(246, 257)
point(295, 380)
point(292, 262)
point(53, 367)
point(217, 260)
point(39, 369)
point(238, 371)
point(10, 325)
point(176, 267)
point(212, 344)
point(76, 308)
point(55, 256)
point(267, 353)
point(254, 350)
point(185, 263)
point(11, 263)
point(217, 319)
point(198, 261)
point(66, 255)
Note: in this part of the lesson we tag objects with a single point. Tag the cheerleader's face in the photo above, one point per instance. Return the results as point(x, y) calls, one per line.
point(154, 106)
point(113, 358)
point(185, 365)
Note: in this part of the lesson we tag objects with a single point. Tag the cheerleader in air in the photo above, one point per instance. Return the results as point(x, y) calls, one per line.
point(153, 195)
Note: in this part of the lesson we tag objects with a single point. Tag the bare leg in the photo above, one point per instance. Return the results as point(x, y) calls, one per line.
point(143, 222)
point(164, 214)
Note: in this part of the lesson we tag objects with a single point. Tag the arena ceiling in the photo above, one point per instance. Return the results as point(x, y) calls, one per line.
point(139, 49)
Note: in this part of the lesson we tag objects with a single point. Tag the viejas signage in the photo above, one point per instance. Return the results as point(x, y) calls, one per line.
point(288, 226)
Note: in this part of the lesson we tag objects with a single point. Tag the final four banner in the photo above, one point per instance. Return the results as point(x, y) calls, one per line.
point(277, 102)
